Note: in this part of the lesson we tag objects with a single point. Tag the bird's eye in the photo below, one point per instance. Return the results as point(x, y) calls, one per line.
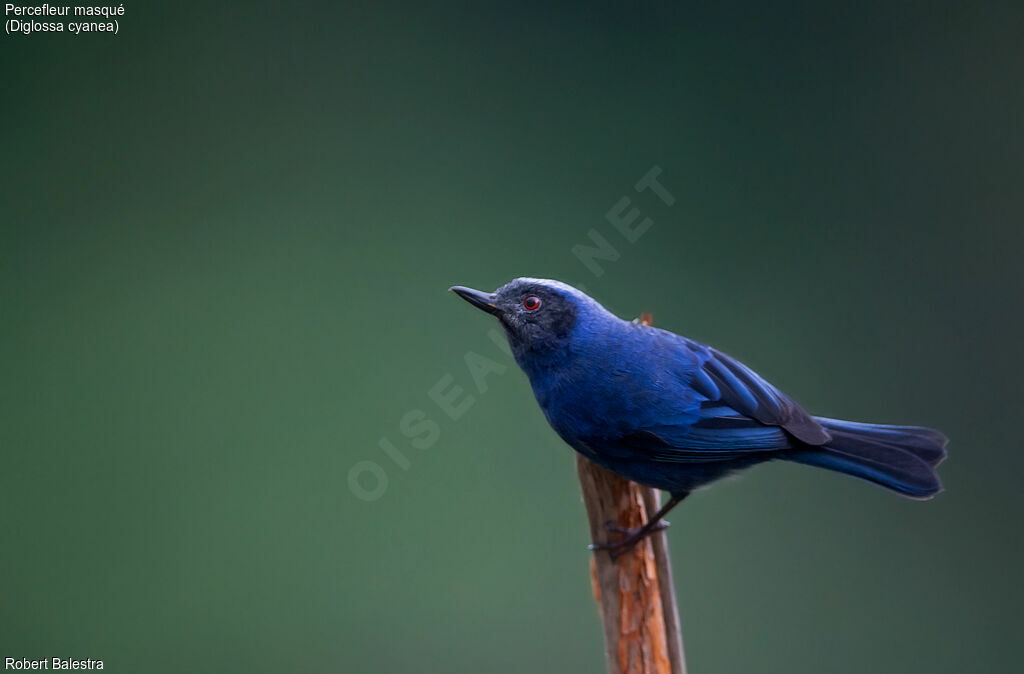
point(531, 303)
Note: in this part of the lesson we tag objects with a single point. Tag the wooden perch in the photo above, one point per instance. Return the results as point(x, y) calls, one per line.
point(634, 591)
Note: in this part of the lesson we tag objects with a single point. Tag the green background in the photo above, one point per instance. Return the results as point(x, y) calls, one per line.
point(226, 238)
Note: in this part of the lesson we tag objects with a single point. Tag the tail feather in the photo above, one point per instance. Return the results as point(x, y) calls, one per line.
point(927, 444)
point(901, 458)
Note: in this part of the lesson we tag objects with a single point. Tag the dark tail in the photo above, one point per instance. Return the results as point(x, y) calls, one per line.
point(902, 458)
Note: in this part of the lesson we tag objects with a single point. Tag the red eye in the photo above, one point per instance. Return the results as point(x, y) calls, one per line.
point(531, 303)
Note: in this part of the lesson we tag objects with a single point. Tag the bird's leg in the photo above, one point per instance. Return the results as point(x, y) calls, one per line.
point(626, 531)
point(634, 536)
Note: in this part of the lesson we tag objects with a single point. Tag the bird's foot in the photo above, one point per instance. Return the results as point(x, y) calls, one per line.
point(616, 529)
point(631, 538)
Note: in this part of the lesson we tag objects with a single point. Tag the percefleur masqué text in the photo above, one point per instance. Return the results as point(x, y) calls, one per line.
point(24, 664)
point(26, 22)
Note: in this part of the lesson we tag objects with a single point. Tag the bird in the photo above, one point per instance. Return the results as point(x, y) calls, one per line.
point(674, 414)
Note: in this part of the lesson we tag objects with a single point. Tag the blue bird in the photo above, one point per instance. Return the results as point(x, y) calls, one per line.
point(674, 414)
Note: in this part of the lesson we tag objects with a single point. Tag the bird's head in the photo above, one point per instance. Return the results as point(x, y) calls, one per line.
point(539, 315)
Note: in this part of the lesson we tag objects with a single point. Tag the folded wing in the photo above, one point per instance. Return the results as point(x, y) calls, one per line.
point(740, 415)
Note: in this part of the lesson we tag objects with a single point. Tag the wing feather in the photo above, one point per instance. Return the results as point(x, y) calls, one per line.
point(736, 415)
point(734, 384)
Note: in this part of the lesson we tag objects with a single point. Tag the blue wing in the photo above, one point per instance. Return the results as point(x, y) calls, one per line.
point(726, 380)
point(721, 434)
point(740, 415)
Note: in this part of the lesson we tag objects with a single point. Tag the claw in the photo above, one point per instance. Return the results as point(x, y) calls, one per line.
point(632, 537)
point(616, 549)
point(616, 529)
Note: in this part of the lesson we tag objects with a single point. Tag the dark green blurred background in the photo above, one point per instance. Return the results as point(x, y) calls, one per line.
point(226, 238)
